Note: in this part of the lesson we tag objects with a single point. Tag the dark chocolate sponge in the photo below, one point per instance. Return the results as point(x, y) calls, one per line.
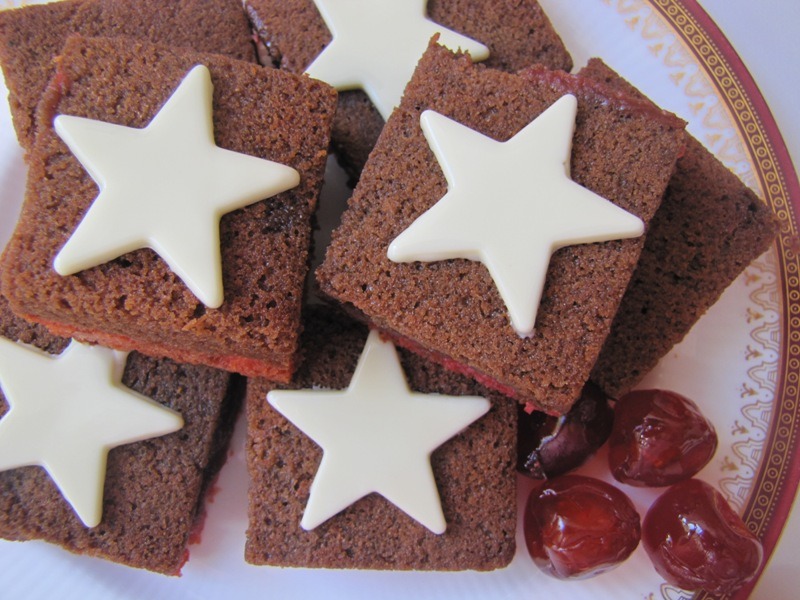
point(451, 310)
point(709, 227)
point(32, 36)
point(135, 301)
point(154, 490)
point(474, 473)
point(292, 33)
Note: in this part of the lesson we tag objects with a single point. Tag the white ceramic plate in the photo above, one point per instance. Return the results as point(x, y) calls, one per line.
point(740, 363)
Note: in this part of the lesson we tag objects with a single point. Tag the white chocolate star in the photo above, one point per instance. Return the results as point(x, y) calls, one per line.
point(377, 436)
point(165, 187)
point(510, 205)
point(376, 46)
point(66, 412)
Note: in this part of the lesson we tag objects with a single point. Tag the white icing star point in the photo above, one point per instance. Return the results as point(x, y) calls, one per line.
point(376, 46)
point(66, 412)
point(165, 187)
point(376, 436)
point(510, 205)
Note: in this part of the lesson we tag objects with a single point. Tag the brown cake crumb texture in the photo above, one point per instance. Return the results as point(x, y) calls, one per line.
point(32, 36)
point(136, 301)
point(474, 473)
point(625, 152)
point(518, 34)
point(154, 489)
point(709, 227)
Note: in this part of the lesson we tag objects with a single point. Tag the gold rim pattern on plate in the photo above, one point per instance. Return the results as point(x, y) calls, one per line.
point(774, 289)
point(775, 190)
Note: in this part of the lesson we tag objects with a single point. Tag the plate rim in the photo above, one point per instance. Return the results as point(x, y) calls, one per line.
point(777, 480)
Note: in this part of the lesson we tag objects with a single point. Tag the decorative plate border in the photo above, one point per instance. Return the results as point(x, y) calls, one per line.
point(776, 482)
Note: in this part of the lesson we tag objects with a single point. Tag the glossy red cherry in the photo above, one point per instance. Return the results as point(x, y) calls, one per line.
point(578, 527)
point(659, 438)
point(696, 541)
point(549, 446)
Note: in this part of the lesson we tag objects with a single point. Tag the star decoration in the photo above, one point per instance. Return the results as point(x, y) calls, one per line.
point(377, 436)
point(510, 205)
point(165, 187)
point(66, 412)
point(376, 46)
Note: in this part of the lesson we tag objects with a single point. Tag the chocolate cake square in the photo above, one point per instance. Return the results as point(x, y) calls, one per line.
point(451, 310)
point(292, 33)
point(709, 227)
point(474, 473)
point(137, 301)
point(31, 37)
point(155, 490)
